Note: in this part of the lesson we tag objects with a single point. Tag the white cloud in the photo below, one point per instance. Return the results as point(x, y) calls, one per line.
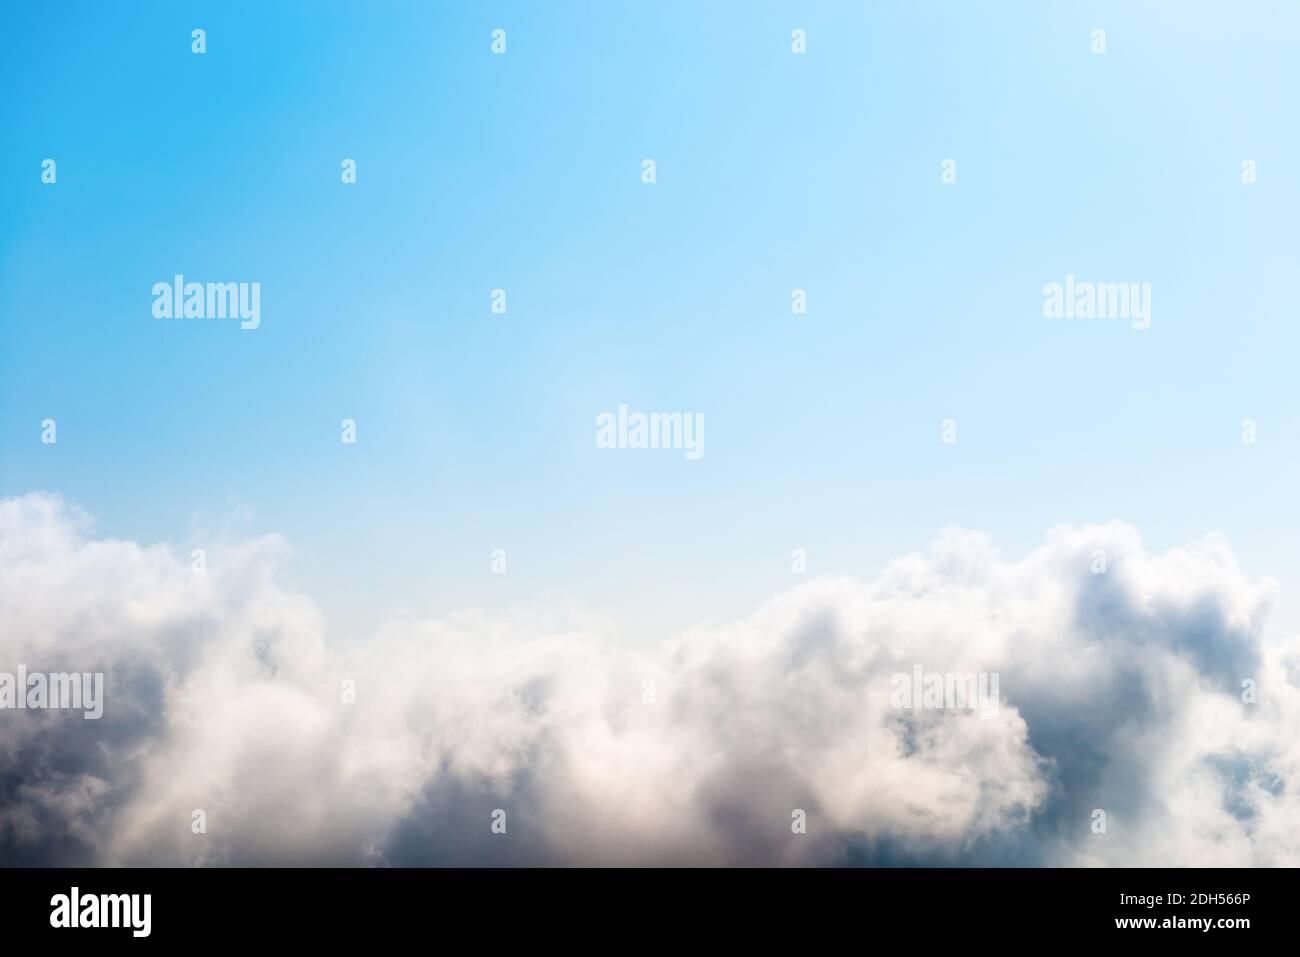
point(1119, 691)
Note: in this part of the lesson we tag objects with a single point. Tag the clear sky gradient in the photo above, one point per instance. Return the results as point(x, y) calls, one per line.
point(775, 171)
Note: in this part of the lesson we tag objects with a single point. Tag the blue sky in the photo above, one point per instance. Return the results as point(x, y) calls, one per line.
point(775, 171)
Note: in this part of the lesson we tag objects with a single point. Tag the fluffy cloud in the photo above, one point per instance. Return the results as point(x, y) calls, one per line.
point(1120, 691)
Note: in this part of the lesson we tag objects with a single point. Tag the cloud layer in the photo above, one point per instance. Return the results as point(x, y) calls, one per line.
point(1120, 692)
